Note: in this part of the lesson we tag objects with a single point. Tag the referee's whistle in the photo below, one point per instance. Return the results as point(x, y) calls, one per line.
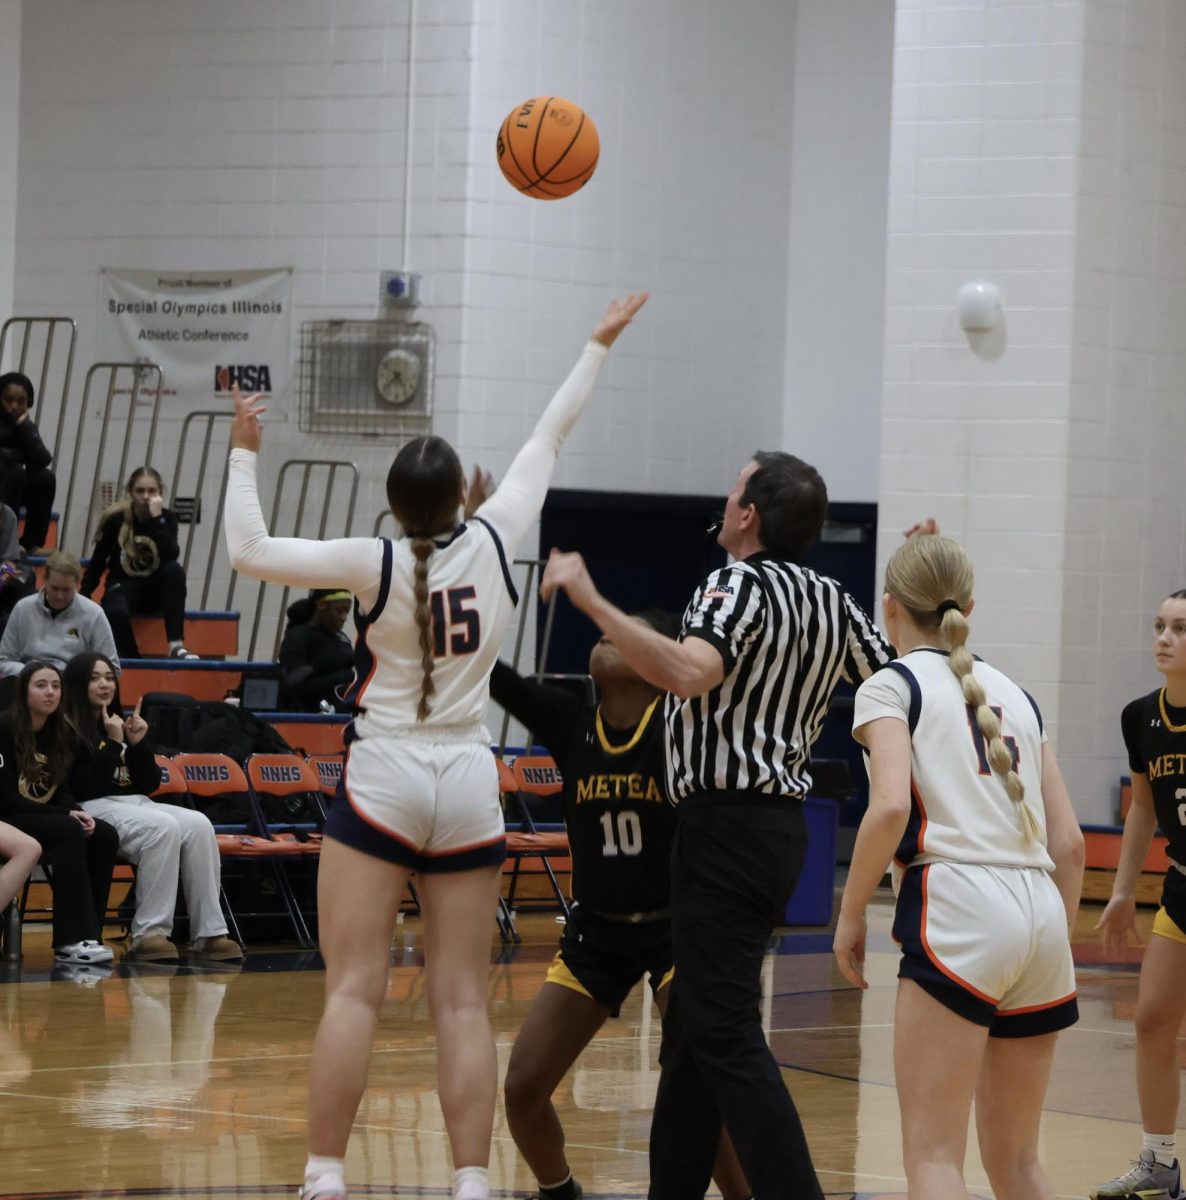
point(715, 525)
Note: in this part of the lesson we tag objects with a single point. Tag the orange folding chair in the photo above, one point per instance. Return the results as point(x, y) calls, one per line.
point(536, 775)
point(286, 793)
point(329, 770)
point(172, 783)
point(218, 787)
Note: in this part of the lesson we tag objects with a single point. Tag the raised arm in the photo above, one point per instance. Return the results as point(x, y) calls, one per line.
point(688, 668)
point(354, 563)
point(516, 504)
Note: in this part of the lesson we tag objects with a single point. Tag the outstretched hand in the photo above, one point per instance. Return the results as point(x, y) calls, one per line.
point(481, 488)
point(569, 573)
point(246, 431)
point(617, 316)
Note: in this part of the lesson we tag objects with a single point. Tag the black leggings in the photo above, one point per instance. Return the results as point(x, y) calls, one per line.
point(735, 860)
point(163, 591)
point(81, 868)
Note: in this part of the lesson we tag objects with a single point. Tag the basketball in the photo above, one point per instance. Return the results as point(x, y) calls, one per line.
point(548, 148)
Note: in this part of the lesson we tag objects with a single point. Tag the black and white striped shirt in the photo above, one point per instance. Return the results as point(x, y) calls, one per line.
point(787, 636)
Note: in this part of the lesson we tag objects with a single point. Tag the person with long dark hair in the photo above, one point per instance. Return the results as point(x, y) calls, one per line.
point(419, 790)
point(136, 544)
point(113, 775)
point(34, 798)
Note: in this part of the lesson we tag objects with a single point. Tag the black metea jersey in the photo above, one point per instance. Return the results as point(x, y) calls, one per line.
point(616, 810)
point(1155, 734)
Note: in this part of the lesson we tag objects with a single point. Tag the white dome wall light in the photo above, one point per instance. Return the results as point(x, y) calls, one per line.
point(978, 306)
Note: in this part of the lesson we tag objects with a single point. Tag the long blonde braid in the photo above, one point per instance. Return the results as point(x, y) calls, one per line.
point(931, 577)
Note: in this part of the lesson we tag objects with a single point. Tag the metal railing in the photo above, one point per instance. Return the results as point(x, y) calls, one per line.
point(34, 350)
point(122, 379)
point(307, 467)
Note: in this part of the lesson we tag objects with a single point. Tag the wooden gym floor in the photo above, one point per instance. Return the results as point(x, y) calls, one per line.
point(191, 1083)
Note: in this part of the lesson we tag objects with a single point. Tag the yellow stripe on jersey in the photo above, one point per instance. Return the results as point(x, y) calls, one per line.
point(609, 747)
point(1165, 717)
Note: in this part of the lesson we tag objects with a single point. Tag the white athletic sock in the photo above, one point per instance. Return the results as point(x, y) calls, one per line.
point(1163, 1145)
point(324, 1174)
point(551, 1187)
point(471, 1183)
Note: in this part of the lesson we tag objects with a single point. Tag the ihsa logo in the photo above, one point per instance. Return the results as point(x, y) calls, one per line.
point(252, 377)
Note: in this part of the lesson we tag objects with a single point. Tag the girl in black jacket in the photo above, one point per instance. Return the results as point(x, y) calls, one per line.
point(112, 775)
point(34, 798)
point(137, 546)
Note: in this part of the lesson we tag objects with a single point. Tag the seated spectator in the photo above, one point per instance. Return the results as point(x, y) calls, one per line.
point(136, 545)
point(56, 623)
point(113, 773)
point(26, 476)
point(34, 798)
point(316, 656)
point(17, 577)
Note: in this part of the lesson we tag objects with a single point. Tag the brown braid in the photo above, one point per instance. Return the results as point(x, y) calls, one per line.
point(930, 572)
point(422, 547)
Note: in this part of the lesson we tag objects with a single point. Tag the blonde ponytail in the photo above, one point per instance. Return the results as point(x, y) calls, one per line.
point(422, 547)
point(931, 577)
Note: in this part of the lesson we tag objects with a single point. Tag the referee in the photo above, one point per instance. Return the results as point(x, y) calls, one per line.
point(763, 645)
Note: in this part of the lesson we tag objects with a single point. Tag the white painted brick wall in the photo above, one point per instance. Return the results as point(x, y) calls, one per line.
point(271, 132)
point(983, 185)
point(10, 89)
point(1127, 550)
point(1041, 146)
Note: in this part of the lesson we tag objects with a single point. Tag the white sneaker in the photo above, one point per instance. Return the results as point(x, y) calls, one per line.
point(88, 951)
point(182, 652)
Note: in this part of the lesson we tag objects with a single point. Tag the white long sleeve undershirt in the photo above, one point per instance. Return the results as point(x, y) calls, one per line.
point(356, 563)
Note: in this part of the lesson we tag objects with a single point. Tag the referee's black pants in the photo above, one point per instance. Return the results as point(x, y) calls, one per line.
point(734, 864)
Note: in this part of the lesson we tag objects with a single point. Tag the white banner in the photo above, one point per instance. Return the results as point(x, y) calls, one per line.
point(206, 330)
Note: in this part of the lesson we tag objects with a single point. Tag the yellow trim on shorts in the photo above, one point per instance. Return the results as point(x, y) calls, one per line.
point(1167, 927)
point(559, 973)
point(667, 978)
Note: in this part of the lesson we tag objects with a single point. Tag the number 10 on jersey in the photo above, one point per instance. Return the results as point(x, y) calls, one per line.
point(622, 833)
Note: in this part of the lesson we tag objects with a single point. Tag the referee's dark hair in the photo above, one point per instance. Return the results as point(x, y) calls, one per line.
point(792, 501)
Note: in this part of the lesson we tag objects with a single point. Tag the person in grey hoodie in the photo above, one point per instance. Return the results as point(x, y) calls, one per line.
point(56, 623)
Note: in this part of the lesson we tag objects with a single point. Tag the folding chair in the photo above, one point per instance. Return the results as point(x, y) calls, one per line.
point(218, 786)
point(329, 771)
point(174, 789)
point(286, 793)
point(293, 792)
point(536, 775)
point(172, 783)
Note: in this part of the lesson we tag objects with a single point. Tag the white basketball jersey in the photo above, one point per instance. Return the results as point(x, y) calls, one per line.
point(960, 810)
point(471, 600)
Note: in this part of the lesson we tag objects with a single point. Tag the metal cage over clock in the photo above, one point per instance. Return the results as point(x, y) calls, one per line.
point(366, 377)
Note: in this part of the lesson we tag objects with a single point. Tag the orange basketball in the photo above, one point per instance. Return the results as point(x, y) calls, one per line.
point(548, 148)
